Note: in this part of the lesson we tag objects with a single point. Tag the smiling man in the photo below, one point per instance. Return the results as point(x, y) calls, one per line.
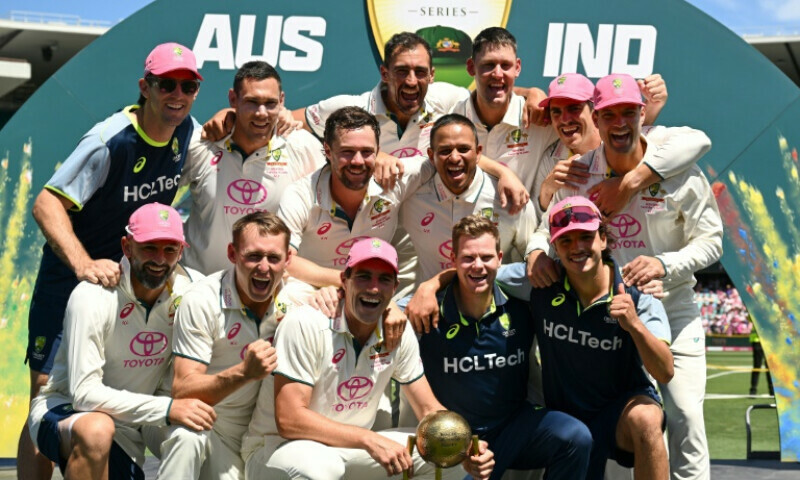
point(246, 171)
point(477, 361)
point(331, 375)
point(131, 158)
point(598, 339)
point(105, 383)
point(673, 230)
point(223, 331)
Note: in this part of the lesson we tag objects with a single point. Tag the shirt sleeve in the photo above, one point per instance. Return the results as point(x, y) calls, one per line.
point(86, 328)
point(299, 346)
point(672, 150)
point(514, 281)
point(526, 227)
point(652, 314)
point(444, 96)
point(195, 320)
point(702, 230)
point(418, 170)
point(84, 171)
point(408, 366)
point(295, 208)
point(309, 151)
point(317, 114)
point(198, 160)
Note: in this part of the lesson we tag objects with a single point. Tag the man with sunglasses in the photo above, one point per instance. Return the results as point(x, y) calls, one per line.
point(604, 335)
point(667, 232)
point(131, 158)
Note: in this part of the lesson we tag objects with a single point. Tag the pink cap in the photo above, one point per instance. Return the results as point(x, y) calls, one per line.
point(615, 89)
point(573, 213)
point(369, 248)
point(155, 221)
point(572, 86)
point(169, 57)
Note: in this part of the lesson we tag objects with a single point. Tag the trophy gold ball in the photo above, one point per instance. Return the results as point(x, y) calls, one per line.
point(443, 438)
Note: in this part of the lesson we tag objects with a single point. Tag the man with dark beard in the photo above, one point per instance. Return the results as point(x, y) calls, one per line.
point(115, 352)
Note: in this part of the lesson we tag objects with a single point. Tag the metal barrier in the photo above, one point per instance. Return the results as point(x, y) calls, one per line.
point(764, 454)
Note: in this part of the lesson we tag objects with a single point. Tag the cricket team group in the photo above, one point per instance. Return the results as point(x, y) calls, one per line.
point(523, 258)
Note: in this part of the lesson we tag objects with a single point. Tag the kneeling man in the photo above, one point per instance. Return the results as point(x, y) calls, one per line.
point(115, 353)
point(330, 376)
point(595, 335)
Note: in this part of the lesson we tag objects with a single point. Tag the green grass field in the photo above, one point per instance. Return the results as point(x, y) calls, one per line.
point(725, 425)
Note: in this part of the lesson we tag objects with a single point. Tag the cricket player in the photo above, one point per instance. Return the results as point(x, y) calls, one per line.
point(331, 376)
point(246, 171)
point(105, 382)
point(131, 158)
point(666, 232)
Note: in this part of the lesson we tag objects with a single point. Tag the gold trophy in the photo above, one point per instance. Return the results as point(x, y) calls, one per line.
point(443, 439)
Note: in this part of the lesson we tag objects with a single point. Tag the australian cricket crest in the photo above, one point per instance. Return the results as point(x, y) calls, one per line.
point(448, 27)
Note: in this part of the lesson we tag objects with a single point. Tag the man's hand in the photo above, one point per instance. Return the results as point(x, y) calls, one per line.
point(260, 360)
point(654, 89)
point(423, 309)
point(623, 309)
point(388, 169)
point(610, 196)
point(394, 324)
point(533, 114)
point(653, 287)
point(389, 454)
point(642, 270)
point(286, 123)
point(569, 173)
point(102, 272)
point(192, 413)
point(542, 270)
point(220, 125)
point(512, 192)
point(480, 466)
point(326, 300)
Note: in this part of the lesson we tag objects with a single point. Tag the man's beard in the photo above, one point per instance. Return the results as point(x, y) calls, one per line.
point(147, 279)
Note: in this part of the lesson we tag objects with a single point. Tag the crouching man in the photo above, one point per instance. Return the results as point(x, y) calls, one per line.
point(330, 377)
point(595, 335)
point(115, 352)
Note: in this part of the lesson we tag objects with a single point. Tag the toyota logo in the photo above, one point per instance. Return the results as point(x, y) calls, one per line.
point(406, 152)
point(446, 249)
point(626, 225)
point(344, 248)
point(148, 344)
point(247, 192)
point(354, 388)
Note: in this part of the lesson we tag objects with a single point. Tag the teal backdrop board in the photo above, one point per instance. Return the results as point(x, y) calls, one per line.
point(716, 83)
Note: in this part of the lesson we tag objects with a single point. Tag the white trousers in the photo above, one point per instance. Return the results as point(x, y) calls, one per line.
point(190, 455)
point(683, 402)
point(306, 459)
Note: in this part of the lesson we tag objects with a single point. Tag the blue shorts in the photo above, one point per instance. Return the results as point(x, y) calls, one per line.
point(120, 465)
point(46, 318)
point(604, 433)
point(535, 438)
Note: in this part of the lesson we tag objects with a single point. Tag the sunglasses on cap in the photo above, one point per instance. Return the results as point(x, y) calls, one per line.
point(168, 85)
point(577, 214)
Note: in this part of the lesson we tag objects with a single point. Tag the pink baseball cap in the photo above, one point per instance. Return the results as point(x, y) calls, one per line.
point(155, 221)
point(169, 57)
point(573, 213)
point(369, 248)
point(615, 89)
point(572, 86)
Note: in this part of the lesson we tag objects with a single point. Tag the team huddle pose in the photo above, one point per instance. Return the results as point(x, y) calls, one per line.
point(522, 258)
